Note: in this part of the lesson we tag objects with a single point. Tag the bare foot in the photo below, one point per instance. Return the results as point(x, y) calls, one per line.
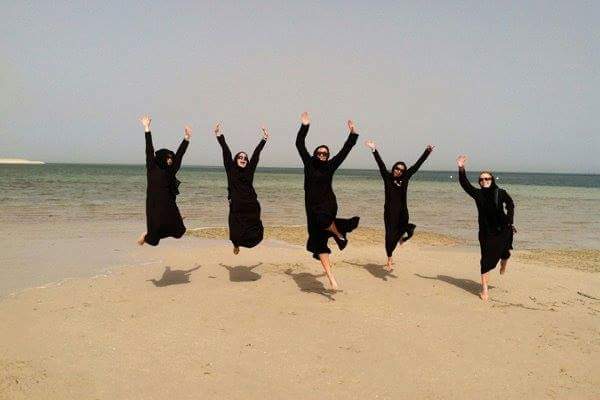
point(389, 266)
point(236, 250)
point(484, 295)
point(333, 283)
point(503, 264)
point(142, 239)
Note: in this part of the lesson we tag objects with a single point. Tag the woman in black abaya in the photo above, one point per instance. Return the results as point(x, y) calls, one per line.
point(245, 227)
point(162, 215)
point(319, 199)
point(495, 224)
point(395, 215)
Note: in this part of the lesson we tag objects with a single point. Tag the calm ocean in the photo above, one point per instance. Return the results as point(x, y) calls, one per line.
point(552, 210)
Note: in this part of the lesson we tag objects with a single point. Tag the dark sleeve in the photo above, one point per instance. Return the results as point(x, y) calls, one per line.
point(256, 154)
point(301, 143)
point(227, 161)
point(339, 158)
point(382, 169)
point(179, 154)
point(464, 182)
point(149, 151)
point(510, 206)
point(418, 164)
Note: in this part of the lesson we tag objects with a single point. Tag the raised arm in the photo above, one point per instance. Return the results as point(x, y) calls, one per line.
point(256, 154)
point(182, 148)
point(462, 177)
point(415, 167)
point(301, 138)
point(337, 160)
point(382, 169)
point(146, 120)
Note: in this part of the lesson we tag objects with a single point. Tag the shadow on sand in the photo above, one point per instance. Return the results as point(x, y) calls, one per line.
point(465, 284)
point(309, 283)
point(241, 273)
point(173, 277)
point(378, 271)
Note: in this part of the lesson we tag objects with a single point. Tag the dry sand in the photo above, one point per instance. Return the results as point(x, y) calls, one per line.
point(261, 325)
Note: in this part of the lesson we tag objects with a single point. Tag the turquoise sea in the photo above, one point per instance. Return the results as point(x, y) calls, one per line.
point(552, 210)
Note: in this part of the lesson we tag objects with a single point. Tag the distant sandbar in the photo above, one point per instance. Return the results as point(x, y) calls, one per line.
point(18, 161)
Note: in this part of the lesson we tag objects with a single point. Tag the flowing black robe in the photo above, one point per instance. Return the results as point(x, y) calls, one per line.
point(245, 227)
point(319, 199)
point(495, 225)
point(395, 209)
point(162, 215)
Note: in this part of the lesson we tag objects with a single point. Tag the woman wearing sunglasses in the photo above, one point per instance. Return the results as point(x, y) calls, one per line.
point(495, 224)
point(245, 227)
point(395, 210)
point(319, 199)
point(162, 214)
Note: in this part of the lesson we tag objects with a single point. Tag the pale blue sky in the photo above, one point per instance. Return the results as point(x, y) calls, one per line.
point(514, 85)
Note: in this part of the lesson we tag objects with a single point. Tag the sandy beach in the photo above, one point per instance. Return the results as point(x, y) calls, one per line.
point(190, 320)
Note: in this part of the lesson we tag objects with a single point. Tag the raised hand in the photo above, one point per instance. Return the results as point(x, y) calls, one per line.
point(461, 160)
point(265, 133)
point(187, 135)
point(218, 129)
point(351, 126)
point(145, 120)
point(371, 145)
point(430, 148)
point(304, 118)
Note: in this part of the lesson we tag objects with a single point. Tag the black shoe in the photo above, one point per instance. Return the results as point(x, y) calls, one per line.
point(342, 243)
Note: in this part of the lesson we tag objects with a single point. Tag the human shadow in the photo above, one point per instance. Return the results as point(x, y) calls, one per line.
point(173, 277)
point(310, 284)
point(241, 273)
point(466, 284)
point(378, 271)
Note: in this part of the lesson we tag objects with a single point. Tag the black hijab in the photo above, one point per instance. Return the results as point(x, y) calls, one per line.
point(490, 204)
point(161, 160)
point(235, 158)
point(398, 180)
point(316, 161)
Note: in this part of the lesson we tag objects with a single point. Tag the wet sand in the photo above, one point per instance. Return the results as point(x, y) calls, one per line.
point(191, 320)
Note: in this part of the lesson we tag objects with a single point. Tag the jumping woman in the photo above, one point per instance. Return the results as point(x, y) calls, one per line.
point(245, 227)
point(395, 210)
point(319, 199)
point(162, 215)
point(495, 224)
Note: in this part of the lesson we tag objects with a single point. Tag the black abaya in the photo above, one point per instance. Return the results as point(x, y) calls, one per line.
point(162, 215)
point(495, 225)
point(245, 227)
point(395, 214)
point(319, 199)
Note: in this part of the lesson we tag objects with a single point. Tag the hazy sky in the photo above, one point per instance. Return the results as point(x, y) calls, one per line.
point(516, 86)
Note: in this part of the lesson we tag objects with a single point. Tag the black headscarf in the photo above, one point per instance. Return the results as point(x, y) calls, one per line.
point(398, 180)
point(235, 158)
point(316, 161)
point(161, 160)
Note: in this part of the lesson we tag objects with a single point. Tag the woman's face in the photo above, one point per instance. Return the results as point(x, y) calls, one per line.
point(322, 153)
point(485, 180)
point(398, 171)
point(242, 160)
point(169, 160)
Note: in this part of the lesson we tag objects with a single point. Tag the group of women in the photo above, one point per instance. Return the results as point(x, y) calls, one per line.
point(494, 205)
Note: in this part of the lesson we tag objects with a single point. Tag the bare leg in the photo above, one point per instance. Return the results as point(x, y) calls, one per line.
point(236, 250)
point(327, 267)
point(484, 287)
point(333, 229)
point(390, 264)
point(503, 264)
point(142, 239)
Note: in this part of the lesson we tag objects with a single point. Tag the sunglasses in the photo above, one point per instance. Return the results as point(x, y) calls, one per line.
point(398, 169)
point(242, 157)
point(485, 179)
point(322, 153)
